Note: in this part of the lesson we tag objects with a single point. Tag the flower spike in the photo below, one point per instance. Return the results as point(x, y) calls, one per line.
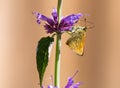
point(53, 25)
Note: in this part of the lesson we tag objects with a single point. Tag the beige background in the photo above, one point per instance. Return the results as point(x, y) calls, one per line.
point(19, 34)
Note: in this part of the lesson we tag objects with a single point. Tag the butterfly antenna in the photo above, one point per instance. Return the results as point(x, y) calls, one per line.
point(86, 27)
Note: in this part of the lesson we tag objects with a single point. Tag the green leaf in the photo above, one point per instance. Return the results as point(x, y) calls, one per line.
point(42, 55)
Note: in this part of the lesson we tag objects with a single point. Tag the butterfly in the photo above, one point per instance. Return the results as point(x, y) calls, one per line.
point(77, 40)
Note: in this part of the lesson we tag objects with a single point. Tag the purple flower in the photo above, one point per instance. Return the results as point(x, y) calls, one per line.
point(71, 84)
point(53, 25)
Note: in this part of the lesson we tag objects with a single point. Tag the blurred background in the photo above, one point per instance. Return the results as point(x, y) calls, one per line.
point(19, 35)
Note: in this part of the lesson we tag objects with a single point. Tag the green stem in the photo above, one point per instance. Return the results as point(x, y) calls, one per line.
point(57, 62)
point(59, 6)
point(58, 45)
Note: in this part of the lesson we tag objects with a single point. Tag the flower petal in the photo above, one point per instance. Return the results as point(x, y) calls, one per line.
point(44, 18)
point(71, 19)
point(42, 86)
point(70, 83)
point(76, 85)
point(55, 15)
point(50, 86)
